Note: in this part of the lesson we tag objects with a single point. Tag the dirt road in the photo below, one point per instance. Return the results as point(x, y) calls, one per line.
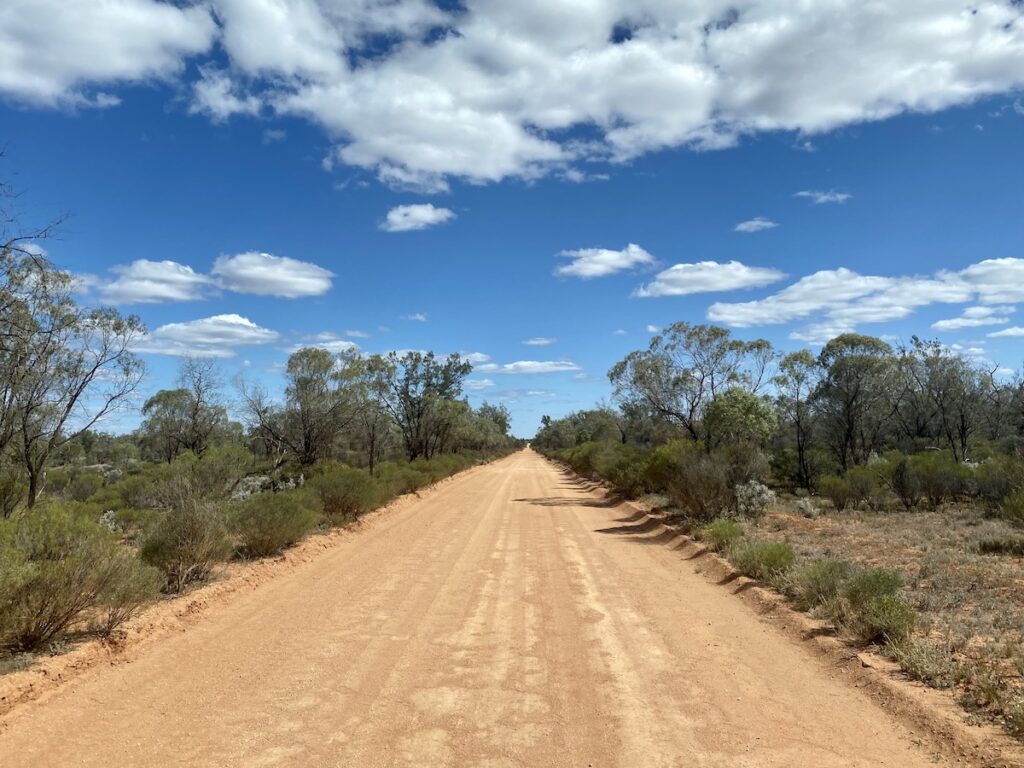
point(493, 623)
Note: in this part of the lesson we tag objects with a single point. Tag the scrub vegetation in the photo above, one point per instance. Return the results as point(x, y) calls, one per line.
point(879, 487)
point(93, 526)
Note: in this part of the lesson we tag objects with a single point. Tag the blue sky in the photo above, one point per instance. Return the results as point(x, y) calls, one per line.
point(881, 171)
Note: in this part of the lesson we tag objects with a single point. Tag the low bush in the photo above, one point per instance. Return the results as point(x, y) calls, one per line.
point(902, 480)
point(700, 485)
point(187, 542)
point(762, 560)
point(397, 478)
point(837, 490)
point(870, 609)
point(863, 484)
point(1005, 546)
point(346, 492)
point(1012, 508)
point(753, 498)
point(928, 663)
point(84, 485)
point(939, 477)
point(266, 523)
point(817, 582)
point(57, 568)
point(720, 535)
point(132, 585)
point(996, 478)
point(12, 493)
point(624, 467)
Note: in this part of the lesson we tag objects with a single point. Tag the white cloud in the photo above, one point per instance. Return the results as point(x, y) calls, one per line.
point(842, 299)
point(540, 341)
point(491, 90)
point(215, 336)
point(975, 317)
point(598, 262)
point(1018, 106)
point(707, 277)
point(406, 218)
point(653, 329)
point(620, 332)
point(274, 135)
point(531, 367)
point(357, 334)
point(148, 282)
point(57, 52)
point(326, 340)
point(476, 358)
point(756, 224)
point(418, 317)
point(819, 197)
point(1014, 332)
point(215, 94)
point(264, 274)
point(476, 385)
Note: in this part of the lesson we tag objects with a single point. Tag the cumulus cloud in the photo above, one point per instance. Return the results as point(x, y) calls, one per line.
point(215, 94)
point(819, 197)
point(975, 317)
point(530, 367)
point(756, 224)
point(476, 358)
point(708, 277)
point(148, 282)
point(475, 385)
point(58, 52)
point(540, 341)
point(406, 218)
point(326, 340)
point(598, 262)
point(839, 300)
point(215, 336)
point(417, 317)
point(1013, 332)
point(487, 90)
point(264, 274)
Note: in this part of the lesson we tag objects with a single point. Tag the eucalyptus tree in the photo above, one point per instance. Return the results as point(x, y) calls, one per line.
point(323, 396)
point(794, 385)
point(419, 391)
point(686, 367)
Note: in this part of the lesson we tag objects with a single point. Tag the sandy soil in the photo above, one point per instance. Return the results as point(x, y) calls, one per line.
point(502, 620)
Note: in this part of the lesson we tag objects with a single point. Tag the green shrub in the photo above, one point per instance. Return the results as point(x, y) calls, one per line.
point(663, 464)
point(624, 468)
point(346, 492)
point(399, 478)
point(870, 609)
point(57, 480)
point(932, 665)
point(133, 585)
point(837, 490)
point(762, 560)
point(902, 480)
point(186, 543)
point(266, 523)
point(817, 583)
point(84, 485)
point(863, 484)
point(700, 485)
point(12, 492)
point(939, 477)
point(885, 619)
point(57, 567)
point(870, 584)
point(1012, 508)
point(720, 535)
point(1006, 546)
point(996, 478)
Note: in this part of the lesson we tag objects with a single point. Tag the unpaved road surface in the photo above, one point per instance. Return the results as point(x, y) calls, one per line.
point(492, 623)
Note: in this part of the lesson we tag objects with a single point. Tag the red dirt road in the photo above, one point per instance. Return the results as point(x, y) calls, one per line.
point(491, 623)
